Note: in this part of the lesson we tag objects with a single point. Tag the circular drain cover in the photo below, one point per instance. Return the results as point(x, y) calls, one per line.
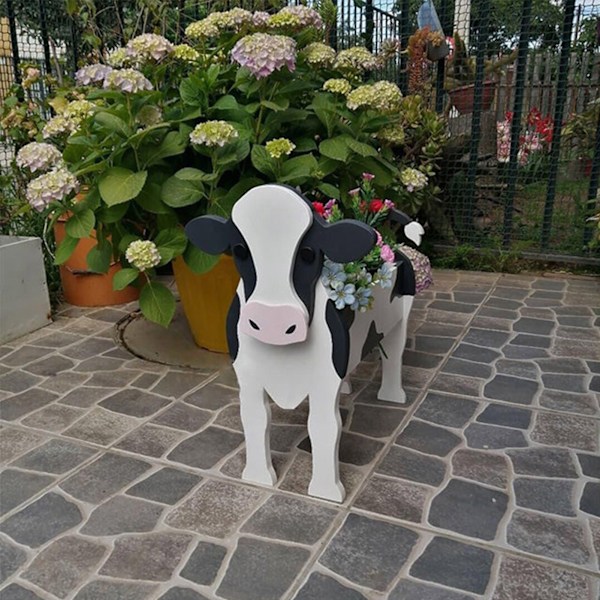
point(173, 346)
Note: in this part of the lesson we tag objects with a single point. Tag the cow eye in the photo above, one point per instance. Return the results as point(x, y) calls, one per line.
point(307, 254)
point(241, 251)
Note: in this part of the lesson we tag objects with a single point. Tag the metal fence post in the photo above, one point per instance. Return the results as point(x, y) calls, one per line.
point(369, 25)
point(404, 35)
point(482, 36)
point(44, 35)
point(14, 40)
point(441, 64)
point(515, 132)
point(561, 96)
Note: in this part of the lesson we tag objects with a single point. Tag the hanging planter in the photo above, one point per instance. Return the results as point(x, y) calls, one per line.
point(437, 52)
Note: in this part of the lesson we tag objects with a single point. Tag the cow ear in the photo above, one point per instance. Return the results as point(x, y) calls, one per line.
point(210, 233)
point(397, 216)
point(347, 240)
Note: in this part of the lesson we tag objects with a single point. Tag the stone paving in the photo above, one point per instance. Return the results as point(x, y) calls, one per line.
point(121, 476)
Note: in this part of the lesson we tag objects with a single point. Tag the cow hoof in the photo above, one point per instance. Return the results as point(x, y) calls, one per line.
point(335, 492)
point(267, 477)
point(398, 397)
point(346, 387)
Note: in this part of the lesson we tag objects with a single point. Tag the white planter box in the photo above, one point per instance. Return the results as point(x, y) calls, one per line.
point(24, 302)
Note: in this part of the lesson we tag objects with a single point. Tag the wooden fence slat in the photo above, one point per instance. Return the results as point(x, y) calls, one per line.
point(536, 89)
point(547, 104)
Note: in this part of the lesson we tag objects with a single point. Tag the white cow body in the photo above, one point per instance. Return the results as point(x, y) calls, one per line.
point(272, 224)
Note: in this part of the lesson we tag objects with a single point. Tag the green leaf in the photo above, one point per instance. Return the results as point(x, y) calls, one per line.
point(171, 243)
point(98, 258)
point(382, 172)
point(81, 223)
point(335, 148)
point(173, 144)
point(276, 106)
point(112, 123)
point(191, 174)
point(112, 214)
point(226, 103)
point(118, 185)
point(149, 199)
point(191, 93)
point(305, 145)
point(360, 147)
point(198, 261)
point(329, 190)
point(65, 249)
point(298, 169)
point(124, 277)
point(126, 240)
point(157, 303)
point(262, 161)
point(91, 201)
point(178, 192)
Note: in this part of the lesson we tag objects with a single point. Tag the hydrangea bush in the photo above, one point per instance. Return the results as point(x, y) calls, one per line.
point(164, 133)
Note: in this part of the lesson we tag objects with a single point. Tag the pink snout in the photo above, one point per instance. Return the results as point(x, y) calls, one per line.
point(278, 325)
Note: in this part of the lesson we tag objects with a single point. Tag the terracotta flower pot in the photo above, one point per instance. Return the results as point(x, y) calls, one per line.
point(82, 287)
point(206, 300)
point(463, 97)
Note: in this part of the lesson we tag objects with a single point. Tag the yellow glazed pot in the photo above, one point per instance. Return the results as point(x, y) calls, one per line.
point(206, 300)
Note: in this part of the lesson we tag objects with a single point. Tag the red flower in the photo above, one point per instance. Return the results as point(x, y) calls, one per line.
point(376, 205)
point(319, 208)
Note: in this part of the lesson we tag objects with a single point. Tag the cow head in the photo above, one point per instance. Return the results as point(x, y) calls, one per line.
point(278, 244)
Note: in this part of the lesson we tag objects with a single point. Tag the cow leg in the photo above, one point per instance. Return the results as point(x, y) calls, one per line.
point(324, 429)
point(256, 419)
point(346, 387)
point(393, 344)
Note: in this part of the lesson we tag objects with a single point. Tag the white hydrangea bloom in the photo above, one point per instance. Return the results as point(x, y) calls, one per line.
point(150, 46)
point(143, 255)
point(38, 157)
point(127, 80)
point(213, 133)
point(55, 185)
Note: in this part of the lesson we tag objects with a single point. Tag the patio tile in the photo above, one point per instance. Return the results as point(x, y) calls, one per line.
point(535, 326)
point(204, 563)
point(98, 363)
point(590, 498)
point(50, 367)
point(369, 552)
point(446, 410)
point(135, 403)
point(150, 440)
point(176, 384)
point(486, 338)
point(480, 513)
point(489, 436)
point(319, 587)
point(546, 495)
point(468, 368)
point(551, 537)
point(375, 421)
point(88, 348)
point(105, 589)
point(506, 416)
point(428, 439)
point(15, 407)
point(511, 389)
point(18, 592)
point(412, 590)
point(122, 514)
point(584, 404)
point(55, 456)
point(42, 520)
point(64, 565)
point(454, 564)
point(354, 449)
point(581, 349)
point(590, 464)
point(277, 564)
point(15, 441)
point(22, 356)
point(18, 486)
point(205, 449)
point(524, 352)
point(105, 476)
point(58, 339)
point(145, 380)
point(414, 466)
point(519, 368)
point(149, 557)
point(527, 580)
point(184, 417)
point(182, 593)
point(167, 486)
point(290, 519)
point(112, 379)
point(84, 397)
point(562, 365)
point(394, 498)
point(101, 427)
point(54, 418)
point(565, 382)
point(457, 384)
point(543, 462)
point(483, 467)
point(17, 381)
point(216, 508)
point(11, 559)
point(566, 430)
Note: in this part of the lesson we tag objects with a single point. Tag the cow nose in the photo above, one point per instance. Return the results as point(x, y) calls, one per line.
point(279, 325)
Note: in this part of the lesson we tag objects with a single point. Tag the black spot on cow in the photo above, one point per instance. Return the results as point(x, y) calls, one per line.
point(233, 317)
point(340, 338)
point(405, 278)
point(372, 340)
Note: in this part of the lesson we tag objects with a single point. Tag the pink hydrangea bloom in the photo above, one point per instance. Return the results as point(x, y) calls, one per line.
point(92, 74)
point(264, 54)
point(127, 80)
point(387, 254)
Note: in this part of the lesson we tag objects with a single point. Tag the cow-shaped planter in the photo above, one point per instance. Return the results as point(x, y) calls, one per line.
point(286, 337)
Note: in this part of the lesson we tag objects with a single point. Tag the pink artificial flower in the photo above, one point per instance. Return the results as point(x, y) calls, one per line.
point(387, 254)
point(329, 208)
point(388, 204)
point(354, 192)
point(368, 176)
point(379, 238)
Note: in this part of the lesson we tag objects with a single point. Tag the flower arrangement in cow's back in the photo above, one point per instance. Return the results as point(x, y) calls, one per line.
point(352, 284)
